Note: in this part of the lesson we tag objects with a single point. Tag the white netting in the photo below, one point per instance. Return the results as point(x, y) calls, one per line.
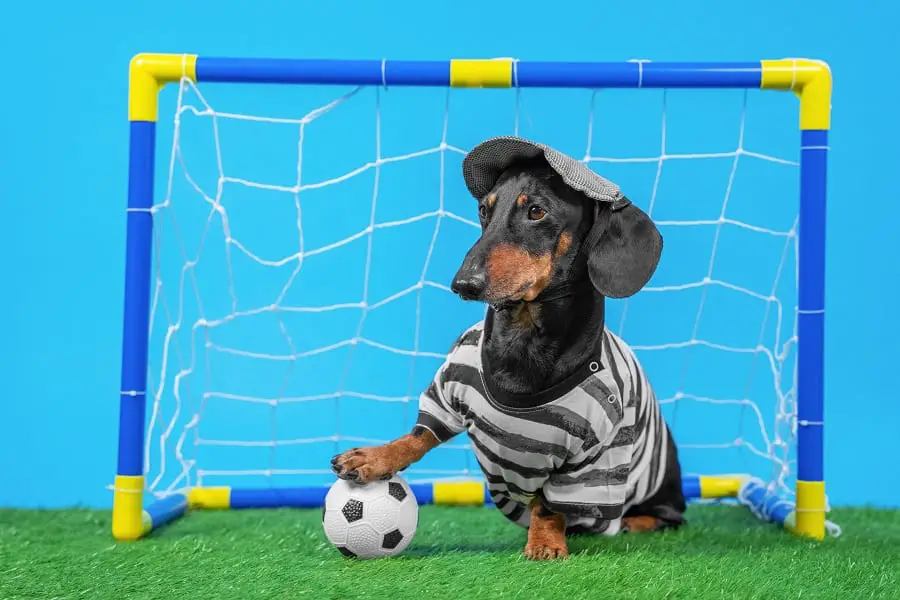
point(301, 297)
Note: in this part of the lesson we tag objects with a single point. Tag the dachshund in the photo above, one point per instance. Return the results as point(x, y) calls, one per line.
point(561, 416)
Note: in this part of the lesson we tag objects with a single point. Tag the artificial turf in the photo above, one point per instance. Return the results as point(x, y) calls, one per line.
point(457, 553)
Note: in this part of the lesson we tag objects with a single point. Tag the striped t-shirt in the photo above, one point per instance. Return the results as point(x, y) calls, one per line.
point(590, 447)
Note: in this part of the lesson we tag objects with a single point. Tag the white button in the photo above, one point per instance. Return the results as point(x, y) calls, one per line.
point(594, 367)
point(611, 398)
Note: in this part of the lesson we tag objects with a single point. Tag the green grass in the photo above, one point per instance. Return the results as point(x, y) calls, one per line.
point(457, 553)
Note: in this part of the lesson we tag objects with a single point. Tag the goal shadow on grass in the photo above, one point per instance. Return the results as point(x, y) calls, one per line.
point(710, 530)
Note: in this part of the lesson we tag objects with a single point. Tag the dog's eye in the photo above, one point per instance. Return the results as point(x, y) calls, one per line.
point(536, 213)
point(482, 211)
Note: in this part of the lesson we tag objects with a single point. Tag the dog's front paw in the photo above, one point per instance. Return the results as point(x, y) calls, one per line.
point(546, 550)
point(363, 465)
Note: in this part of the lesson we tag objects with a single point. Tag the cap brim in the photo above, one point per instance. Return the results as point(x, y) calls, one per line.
point(487, 161)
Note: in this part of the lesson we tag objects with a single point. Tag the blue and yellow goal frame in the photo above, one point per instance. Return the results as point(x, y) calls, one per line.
point(809, 80)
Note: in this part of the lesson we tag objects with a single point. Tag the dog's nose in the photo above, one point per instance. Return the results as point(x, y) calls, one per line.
point(470, 286)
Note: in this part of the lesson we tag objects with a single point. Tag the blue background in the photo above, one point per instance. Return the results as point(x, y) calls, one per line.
point(63, 152)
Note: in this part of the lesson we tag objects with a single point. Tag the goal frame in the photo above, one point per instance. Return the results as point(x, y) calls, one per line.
point(809, 80)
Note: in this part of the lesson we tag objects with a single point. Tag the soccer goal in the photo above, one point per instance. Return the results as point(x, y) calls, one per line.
point(293, 225)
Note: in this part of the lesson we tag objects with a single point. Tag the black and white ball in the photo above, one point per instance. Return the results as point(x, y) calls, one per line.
point(372, 520)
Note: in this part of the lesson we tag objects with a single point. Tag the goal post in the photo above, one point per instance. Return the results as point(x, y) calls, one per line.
point(134, 515)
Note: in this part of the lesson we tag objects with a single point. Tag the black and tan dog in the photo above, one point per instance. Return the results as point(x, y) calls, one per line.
point(562, 418)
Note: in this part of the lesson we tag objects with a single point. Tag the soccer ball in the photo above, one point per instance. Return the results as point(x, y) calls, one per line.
point(372, 520)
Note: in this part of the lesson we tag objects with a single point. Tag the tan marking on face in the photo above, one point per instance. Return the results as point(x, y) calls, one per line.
point(521, 200)
point(540, 284)
point(562, 246)
point(514, 274)
point(491, 199)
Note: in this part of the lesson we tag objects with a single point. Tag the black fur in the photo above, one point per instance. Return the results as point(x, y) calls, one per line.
point(530, 346)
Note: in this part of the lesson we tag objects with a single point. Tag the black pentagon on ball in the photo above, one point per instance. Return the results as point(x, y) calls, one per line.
point(346, 552)
point(392, 539)
point(396, 491)
point(353, 510)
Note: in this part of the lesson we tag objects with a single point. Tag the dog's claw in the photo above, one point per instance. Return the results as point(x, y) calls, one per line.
point(545, 552)
point(361, 466)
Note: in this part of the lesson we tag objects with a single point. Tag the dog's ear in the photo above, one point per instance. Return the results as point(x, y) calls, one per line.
point(624, 258)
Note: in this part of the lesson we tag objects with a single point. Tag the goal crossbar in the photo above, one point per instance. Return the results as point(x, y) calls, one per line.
point(809, 80)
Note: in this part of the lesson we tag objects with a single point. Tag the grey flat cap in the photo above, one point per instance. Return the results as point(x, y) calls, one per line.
point(487, 161)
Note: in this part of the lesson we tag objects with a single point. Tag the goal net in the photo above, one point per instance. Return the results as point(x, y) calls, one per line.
point(304, 238)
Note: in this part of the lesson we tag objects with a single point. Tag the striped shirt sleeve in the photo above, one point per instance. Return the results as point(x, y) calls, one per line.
point(436, 414)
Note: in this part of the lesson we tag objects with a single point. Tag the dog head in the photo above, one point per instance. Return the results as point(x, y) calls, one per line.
point(539, 235)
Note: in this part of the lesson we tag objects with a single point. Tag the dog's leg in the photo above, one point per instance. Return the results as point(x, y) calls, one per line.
point(642, 523)
point(382, 462)
point(546, 534)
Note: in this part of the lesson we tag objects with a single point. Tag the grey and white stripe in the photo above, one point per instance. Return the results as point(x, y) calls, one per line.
point(589, 453)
